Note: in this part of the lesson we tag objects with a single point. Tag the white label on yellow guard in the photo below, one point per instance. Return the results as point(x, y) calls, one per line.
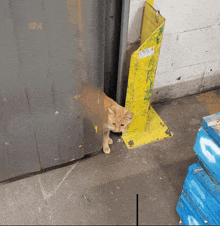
point(146, 52)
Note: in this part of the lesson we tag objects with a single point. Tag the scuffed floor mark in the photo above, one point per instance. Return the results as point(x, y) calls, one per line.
point(211, 100)
point(35, 26)
point(47, 196)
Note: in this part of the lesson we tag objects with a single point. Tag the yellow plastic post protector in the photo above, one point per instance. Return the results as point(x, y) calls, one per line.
point(146, 124)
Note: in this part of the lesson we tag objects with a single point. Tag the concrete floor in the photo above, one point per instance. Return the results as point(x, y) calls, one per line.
point(102, 189)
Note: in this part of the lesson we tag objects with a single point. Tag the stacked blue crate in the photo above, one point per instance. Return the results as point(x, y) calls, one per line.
point(199, 203)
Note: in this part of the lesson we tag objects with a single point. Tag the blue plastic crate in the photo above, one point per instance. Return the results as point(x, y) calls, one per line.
point(203, 194)
point(206, 182)
point(188, 214)
point(209, 172)
point(211, 124)
point(208, 150)
point(199, 203)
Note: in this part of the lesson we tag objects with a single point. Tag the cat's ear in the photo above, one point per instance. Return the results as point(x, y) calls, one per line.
point(129, 114)
point(110, 111)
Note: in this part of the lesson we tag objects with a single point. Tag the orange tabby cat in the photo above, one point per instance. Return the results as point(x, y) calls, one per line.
point(111, 115)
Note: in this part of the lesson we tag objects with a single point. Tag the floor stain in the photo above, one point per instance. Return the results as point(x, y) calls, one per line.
point(211, 100)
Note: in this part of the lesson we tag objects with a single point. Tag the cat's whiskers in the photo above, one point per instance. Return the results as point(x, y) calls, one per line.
point(128, 131)
point(107, 126)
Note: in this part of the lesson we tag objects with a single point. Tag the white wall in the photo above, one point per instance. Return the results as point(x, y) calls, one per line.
point(189, 59)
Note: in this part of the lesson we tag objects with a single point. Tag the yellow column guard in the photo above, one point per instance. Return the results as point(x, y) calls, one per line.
point(150, 2)
point(146, 125)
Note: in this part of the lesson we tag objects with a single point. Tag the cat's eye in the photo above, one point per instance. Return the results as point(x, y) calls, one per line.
point(113, 123)
point(122, 124)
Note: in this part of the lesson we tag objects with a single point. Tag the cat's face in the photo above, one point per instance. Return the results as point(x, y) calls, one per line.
point(119, 118)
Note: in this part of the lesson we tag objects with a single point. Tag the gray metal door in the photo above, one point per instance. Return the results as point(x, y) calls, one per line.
point(47, 47)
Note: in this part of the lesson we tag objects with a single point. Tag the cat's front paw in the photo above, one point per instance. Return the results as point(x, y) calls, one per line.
point(107, 150)
point(110, 141)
